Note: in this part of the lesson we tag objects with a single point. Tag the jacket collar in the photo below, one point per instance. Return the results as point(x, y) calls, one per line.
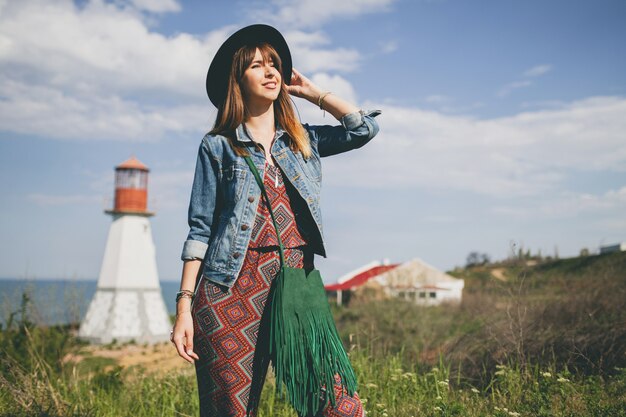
point(242, 134)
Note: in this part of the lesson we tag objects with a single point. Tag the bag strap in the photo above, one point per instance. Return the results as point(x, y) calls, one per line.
point(255, 172)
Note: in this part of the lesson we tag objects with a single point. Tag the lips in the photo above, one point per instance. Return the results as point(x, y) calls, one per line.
point(271, 84)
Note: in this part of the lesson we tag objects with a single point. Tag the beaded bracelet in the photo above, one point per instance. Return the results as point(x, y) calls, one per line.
point(184, 294)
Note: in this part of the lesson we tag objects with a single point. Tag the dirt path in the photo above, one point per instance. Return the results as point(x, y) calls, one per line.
point(157, 358)
point(498, 273)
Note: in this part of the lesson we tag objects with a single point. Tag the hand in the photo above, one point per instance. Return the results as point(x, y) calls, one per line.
point(182, 337)
point(302, 87)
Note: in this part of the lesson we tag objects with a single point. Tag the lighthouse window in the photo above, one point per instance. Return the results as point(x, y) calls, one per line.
point(131, 178)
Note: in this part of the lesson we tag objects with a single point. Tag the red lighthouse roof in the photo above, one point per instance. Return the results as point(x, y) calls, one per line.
point(132, 163)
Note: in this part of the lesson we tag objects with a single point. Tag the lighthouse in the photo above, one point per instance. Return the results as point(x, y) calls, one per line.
point(128, 304)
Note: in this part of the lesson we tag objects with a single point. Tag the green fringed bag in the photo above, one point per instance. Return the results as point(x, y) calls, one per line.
point(298, 335)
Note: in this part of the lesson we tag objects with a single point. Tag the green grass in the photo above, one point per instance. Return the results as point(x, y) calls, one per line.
point(387, 388)
point(550, 341)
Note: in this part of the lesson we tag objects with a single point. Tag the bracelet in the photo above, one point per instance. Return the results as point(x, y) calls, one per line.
point(321, 99)
point(184, 294)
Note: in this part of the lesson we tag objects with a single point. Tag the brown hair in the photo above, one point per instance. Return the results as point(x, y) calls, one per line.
point(232, 112)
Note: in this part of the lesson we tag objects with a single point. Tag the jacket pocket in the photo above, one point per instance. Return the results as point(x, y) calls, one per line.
point(233, 182)
point(311, 167)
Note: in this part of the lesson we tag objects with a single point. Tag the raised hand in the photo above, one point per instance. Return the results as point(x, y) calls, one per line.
point(302, 87)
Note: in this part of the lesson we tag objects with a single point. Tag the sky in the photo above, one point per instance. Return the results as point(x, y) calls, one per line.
point(503, 124)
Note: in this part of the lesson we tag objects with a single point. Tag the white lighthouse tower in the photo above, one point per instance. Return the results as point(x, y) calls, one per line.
point(128, 304)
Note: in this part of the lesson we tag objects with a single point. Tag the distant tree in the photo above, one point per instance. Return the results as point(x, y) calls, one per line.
point(584, 252)
point(475, 258)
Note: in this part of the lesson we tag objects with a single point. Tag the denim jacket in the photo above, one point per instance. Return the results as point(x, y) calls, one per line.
point(225, 195)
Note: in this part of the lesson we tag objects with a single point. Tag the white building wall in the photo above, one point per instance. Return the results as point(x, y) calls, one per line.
point(129, 257)
point(128, 304)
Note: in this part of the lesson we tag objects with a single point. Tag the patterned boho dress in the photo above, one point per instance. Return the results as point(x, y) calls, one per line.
point(226, 322)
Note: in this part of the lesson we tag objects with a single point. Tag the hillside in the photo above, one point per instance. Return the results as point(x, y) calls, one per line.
point(568, 311)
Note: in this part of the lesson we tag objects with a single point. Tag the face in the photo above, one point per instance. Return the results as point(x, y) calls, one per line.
point(261, 81)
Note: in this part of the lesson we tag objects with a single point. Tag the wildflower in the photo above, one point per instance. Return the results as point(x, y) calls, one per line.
point(501, 372)
point(385, 414)
point(437, 408)
point(475, 391)
point(443, 383)
point(363, 400)
point(435, 369)
point(380, 405)
point(506, 410)
point(546, 374)
point(561, 379)
point(438, 397)
point(496, 408)
point(501, 366)
point(371, 385)
point(513, 413)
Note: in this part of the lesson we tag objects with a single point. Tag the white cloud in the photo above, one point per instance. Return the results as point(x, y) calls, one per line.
point(510, 87)
point(388, 46)
point(310, 53)
point(157, 6)
point(52, 113)
point(438, 98)
point(537, 70)
point(609, 205)
point(522, 155)
point(93, 71)
point(314, 13)
point(337, 84)
point(100, 46)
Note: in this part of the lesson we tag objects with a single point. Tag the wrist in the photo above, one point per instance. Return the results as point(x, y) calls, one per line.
point(182, 305)
point(314, 95)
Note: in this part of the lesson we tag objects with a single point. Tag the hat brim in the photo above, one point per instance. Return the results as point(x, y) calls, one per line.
point(219, 70)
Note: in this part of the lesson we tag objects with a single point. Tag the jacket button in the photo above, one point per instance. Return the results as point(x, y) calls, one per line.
point(236, 255)
point(251, 199)
point(244, 227)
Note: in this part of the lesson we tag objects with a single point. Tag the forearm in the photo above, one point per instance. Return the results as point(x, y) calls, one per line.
point(188, 282)
point(332, 103)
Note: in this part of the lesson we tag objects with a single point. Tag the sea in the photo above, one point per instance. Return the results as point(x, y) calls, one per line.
point(50, 301)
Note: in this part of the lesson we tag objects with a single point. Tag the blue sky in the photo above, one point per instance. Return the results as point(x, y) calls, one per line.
point(503, 124)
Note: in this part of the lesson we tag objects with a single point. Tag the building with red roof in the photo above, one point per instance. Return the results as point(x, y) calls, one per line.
point(414, 281)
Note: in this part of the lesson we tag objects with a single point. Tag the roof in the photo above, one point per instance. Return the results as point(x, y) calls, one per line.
point(360, 276)
point(417, 274)
point(132, 163)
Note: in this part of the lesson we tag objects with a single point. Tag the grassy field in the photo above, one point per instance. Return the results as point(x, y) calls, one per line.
point(541, 340)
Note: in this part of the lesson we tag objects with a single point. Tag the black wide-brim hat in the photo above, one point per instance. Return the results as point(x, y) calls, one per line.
point(219, 70)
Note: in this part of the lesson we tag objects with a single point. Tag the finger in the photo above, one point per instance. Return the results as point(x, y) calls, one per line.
point(180, 347)
point(190, 352)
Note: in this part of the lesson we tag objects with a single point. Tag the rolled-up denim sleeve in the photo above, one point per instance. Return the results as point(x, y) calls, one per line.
point(356, 130)
point(201, 206)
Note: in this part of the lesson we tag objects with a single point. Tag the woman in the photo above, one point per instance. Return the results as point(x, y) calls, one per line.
point(232, 242)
